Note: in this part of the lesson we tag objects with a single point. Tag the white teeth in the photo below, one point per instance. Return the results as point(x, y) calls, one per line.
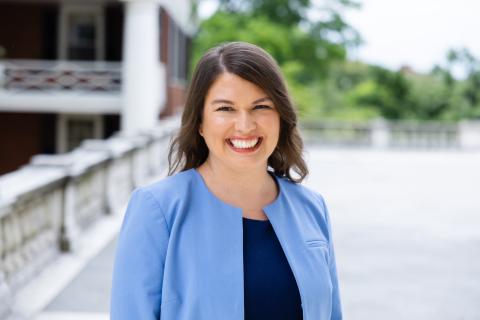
point(244, 144)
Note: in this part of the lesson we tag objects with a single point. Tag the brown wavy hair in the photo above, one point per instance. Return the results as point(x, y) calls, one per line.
point(189, 150)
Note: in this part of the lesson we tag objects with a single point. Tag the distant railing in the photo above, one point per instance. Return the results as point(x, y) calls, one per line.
point(337, 133)
point(393, 134)
point(46, 205)
point(424, 135)
point(42, 75)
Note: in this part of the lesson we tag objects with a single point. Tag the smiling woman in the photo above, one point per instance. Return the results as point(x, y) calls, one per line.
point(230, 78)
point(240, 124)
point(230, 233)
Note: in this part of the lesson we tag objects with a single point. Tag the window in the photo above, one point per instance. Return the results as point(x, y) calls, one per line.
point(81, 32)
point(79, 130)
point(177, 62)
point(72, 129)
point(81, 36)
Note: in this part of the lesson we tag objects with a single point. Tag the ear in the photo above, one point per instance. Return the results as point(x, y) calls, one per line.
point(200, 129)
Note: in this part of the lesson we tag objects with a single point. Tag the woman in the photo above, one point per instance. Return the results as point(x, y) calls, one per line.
point(233, 235)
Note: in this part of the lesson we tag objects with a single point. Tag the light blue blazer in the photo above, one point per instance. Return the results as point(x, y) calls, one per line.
point(180, 254)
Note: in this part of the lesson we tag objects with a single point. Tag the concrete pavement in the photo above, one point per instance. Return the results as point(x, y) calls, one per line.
point(407, 231)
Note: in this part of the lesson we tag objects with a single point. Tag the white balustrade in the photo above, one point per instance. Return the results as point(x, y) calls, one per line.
point(46, 205)
point(337, 133)
point(394, 134)
point(160, 145)
point(118, 180)
point(30, 222)
point(423, 134)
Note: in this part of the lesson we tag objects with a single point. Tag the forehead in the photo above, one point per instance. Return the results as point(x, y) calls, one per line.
point(231, 87)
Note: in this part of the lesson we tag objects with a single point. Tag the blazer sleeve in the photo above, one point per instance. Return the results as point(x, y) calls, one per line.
point(139, 261)
point(336, 305)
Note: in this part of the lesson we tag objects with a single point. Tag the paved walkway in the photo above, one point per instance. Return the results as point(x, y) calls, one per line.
point(407, 231)
point(407, 236)
point(92, 284)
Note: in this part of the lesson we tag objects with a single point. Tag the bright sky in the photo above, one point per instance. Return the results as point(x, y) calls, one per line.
point(417, 33)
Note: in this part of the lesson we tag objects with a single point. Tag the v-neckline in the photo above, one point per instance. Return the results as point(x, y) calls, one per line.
point(217, 199)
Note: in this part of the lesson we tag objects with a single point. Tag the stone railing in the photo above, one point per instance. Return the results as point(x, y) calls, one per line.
point(394, 134)
point(41, 75)
point(46, 205)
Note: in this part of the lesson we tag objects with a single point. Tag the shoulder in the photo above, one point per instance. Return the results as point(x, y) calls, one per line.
point(170, 193)
point(171, 185)
point(301, 192)
point(306, 198)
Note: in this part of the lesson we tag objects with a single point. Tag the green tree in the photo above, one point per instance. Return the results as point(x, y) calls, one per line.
point(428, 96)
point(464, 98)
point(386, 91)
point(305, 48)
point(283, 28)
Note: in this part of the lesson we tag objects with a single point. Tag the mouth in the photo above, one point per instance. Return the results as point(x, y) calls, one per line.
point(244, 145)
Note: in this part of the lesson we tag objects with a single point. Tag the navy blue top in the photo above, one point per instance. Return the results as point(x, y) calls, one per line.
point(270, 288)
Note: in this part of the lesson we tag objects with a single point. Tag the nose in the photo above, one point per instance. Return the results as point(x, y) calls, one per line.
point(245, 122)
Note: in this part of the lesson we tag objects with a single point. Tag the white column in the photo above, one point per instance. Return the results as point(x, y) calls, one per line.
point(469, 134)
point(143, 85)
point(380, 136)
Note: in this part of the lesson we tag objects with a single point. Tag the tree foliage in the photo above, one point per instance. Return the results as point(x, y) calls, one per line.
point(284, 29)
point(310, 44)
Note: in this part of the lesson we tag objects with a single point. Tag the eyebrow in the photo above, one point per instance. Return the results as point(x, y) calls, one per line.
point(230, 102)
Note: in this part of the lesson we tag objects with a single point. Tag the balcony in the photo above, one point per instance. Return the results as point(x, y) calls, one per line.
point(60, 86)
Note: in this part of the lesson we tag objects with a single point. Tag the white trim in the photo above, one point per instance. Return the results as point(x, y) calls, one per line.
point(97, 10)
point(61, 102)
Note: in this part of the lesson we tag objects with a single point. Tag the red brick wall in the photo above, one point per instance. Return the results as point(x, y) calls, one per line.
point(175, 100)
point(21, 136)
point(21, 30)
point(164, 36)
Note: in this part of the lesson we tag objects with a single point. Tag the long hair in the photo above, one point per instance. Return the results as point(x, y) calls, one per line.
point(189, 150)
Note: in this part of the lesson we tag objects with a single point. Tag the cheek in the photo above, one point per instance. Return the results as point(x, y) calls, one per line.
point(213, 118)
point(219, 121)
point(272, 123)
point(275, 125)
point(214, 127)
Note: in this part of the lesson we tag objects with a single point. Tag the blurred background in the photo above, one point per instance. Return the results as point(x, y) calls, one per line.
point(388, 98)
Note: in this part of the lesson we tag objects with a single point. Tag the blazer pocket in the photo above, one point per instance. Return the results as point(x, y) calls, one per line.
point(314, 243)
point(319, 250)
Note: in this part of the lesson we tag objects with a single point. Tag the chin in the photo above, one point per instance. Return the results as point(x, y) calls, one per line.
point(248, 164)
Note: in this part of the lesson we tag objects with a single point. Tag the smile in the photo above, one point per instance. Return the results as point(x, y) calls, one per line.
point(244, 145)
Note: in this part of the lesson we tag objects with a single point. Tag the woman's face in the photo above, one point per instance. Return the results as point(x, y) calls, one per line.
point(240, 123)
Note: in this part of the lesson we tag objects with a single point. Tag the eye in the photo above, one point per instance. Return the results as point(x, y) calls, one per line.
point(262, 106)
point(224, 108)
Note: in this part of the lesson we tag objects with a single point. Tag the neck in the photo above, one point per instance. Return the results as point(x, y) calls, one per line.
point(244, 182)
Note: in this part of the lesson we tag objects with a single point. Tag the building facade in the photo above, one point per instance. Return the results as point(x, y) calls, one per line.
point(74, 70)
